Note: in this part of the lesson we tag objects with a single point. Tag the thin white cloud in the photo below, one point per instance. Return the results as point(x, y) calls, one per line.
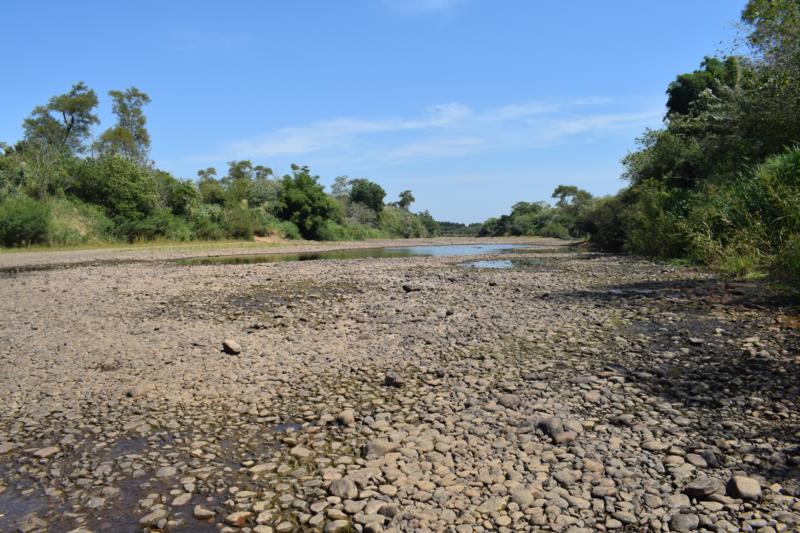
point(518, 111)
point(442, 147)
point(343, 132)
point(421, 7)
point(443, 131)
point(605, 122)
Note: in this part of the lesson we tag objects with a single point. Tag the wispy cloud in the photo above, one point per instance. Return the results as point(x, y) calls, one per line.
point(421, 7)
point(607, 122)
point(443, 131)
point(343, 132)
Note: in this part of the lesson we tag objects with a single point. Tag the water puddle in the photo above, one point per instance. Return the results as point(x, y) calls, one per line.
point(286, 427)
point(490, 263)
point(363, 253)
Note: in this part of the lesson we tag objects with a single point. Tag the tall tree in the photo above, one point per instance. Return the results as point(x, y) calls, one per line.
point(721, 77)
point(341, 187)
point(129, 137)
point(302, 200)
point(366, 192)
point(211, 191)
point(775, 37)
point(65, 122)
point(406, 199)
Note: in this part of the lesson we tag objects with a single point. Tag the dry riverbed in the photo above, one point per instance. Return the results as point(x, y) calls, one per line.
point(575, 392)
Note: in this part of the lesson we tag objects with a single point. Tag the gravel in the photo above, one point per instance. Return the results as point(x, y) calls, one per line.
point(574, 392)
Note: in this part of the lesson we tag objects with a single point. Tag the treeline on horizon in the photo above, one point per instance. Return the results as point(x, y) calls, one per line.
point(60, 186)
point(718, 185)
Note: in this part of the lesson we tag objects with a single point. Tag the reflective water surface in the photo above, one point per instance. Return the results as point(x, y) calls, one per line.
point(361, 253)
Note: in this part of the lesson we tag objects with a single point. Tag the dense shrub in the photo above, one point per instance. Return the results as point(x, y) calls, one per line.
point(125, 188)
point(653, 226)
point(787, 262)
point(303, 201)
point(23, 221)
point(161, 224)
point(73, 222)
point(605, 221)
point(240, 222)
point(751, 223)
point(176, 195)
point(397, 221)
point(204, 220)
point(554, 229)
point(367, 193)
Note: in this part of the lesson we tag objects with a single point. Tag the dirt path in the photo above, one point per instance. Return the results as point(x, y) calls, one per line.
point(575, 392)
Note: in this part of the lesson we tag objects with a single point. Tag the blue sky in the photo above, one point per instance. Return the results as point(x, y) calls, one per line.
point(471, 104)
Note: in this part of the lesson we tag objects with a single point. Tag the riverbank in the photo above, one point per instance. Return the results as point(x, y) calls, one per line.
point(21, 258)
point(574, 392)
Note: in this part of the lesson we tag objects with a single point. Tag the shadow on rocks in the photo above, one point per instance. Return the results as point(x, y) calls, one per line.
point(721, 352)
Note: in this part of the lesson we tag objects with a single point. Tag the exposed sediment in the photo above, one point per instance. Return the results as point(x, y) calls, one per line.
point(575, 392)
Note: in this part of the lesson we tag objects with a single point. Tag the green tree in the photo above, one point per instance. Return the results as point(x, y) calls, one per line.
point(775, 38)
point(366, 192)
point(406, 199)
point(178, 196)
point(721, 77)
point(65, 122)
point(249, 184)
point(209, 187)
point(23, 221)
point(302, 200)
point(126, 189)
point(341, 187)
point(129, 137)
point(569, 195)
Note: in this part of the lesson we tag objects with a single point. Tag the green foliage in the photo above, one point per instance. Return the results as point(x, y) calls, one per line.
point(538, 218)
point(396, 221)
point(209, 188)
point(427, 220)
point(249, 185)
point(554, 229)
point(240, 222)
point(23, 221)
point(176, 195)
point(787, 262)
point(341, 187)
point(457, 229)
point(750, 223)
point(161, 224)
point(606, 221)
point(282, 228)
point(653, 227)
point(205, 221)
point(45, 169)
point(129, 137)
point(73, 222)
point(405, 200)
point(303, 202)
point(356, 213)
point(126, 189)
point(368, 193)
point(720, 78)
point(719, 184)
point(119, 195)
point(65, 122)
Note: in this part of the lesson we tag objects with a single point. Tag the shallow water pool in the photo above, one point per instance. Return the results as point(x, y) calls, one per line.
point(361, 253)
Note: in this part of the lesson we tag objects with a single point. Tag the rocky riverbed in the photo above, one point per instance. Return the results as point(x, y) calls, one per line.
point(575, 392)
